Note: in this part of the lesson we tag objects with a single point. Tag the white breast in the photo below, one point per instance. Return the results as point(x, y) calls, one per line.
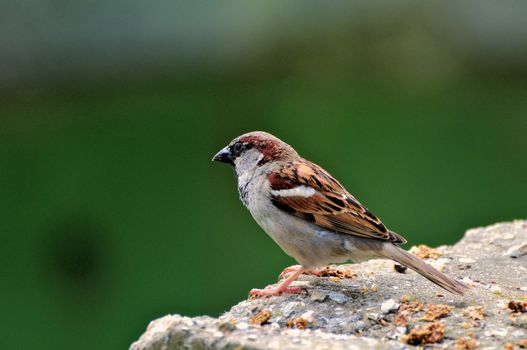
point(307, 243)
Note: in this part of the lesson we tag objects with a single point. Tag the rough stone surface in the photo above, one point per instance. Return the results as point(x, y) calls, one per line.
point(347, 313)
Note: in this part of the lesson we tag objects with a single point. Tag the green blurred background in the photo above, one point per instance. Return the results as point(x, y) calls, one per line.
point(111, 212)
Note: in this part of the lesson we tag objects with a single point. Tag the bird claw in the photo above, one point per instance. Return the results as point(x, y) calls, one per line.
point(283, 287)
point(270, 291)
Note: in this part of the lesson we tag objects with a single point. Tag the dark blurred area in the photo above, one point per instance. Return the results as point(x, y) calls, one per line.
point(111, 212)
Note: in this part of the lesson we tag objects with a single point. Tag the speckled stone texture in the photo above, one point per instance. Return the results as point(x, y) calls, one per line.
point(379, 308)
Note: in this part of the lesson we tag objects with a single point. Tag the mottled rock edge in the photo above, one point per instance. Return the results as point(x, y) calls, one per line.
point(379, 308)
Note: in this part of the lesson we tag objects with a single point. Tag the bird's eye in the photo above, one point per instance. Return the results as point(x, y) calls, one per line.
point(238, 148)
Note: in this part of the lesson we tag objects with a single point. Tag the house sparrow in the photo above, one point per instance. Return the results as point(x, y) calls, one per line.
point(310, 215)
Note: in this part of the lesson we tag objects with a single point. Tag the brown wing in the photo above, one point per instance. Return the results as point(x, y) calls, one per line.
point(329, 206)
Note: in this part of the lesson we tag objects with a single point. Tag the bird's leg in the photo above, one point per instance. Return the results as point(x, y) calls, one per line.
point(281, 288)
point(294, 268)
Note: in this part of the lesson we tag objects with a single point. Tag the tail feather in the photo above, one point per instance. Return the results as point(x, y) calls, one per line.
point(404, 258)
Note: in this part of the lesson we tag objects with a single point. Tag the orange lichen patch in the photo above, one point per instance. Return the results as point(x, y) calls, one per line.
point(465, 343)
point(431, 333)
point(436, 311)
point(522, 344)
point(364, 290)
point(475, 312)
point(301, 323)
point(331, 271)
point(406, 298)
point(298, 322)
point(405, 312)
point(517, 306)
point(425, 252)
point(402, 319)
point(261, 317)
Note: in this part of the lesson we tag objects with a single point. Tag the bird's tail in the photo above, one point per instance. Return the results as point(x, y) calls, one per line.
point(404, 258)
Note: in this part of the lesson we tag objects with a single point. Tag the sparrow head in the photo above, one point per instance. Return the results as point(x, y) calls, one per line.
point(254, 149)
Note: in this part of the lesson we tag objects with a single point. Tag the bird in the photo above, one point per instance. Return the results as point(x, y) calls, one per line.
point(310, 215)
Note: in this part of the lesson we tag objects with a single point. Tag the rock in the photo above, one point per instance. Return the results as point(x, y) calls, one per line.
point(318, 295)
point(349, 314)
point(338, 297)
point(517, 251)
point(519, 321)
point(359, 326)
point(440, 264)
point(308, 315)
point(389, 306)
point(242, 326)
point(495, 289)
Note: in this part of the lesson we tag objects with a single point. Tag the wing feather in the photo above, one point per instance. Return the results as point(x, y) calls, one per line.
point(329, 206)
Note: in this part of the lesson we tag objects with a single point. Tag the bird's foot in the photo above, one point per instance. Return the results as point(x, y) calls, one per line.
point(283, 287)
point(293, 269)
point(270, 291)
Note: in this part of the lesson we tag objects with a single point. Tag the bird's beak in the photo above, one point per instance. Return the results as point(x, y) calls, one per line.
point(224, 156)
